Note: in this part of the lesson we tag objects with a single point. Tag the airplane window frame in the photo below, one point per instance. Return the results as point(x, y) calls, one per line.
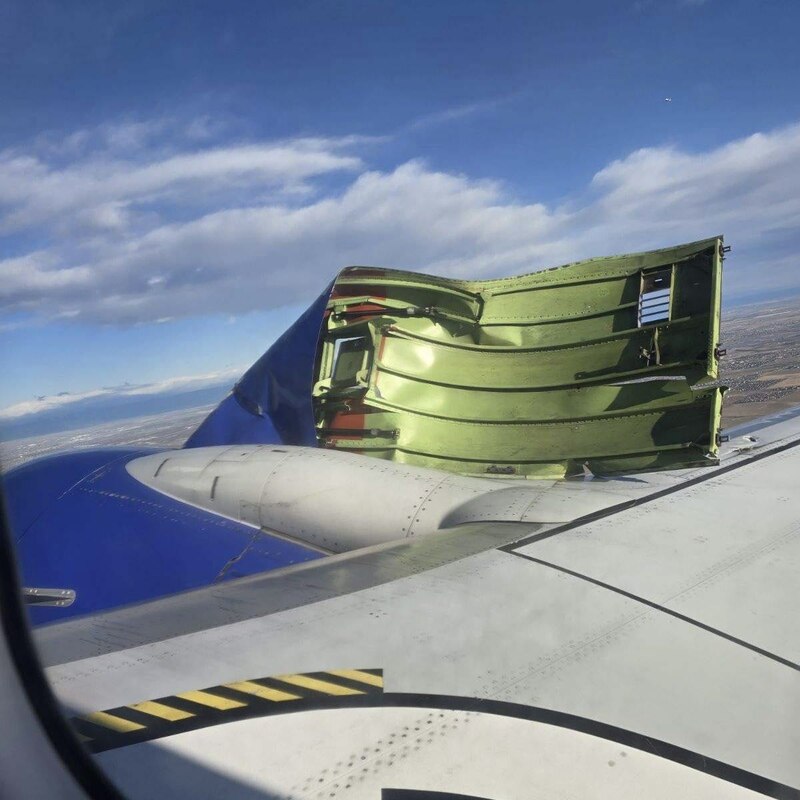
point(43, 703)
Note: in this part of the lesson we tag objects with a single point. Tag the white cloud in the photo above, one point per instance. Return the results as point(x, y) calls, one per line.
point(454, 113)
point(27, 407)
point(142, 237)
point(99, 188)
point(28, 281)
point(180, 384)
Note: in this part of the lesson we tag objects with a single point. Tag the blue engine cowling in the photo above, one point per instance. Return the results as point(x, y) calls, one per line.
point(81, 522)
point(271, 404)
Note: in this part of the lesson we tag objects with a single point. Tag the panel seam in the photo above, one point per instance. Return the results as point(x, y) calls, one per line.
point(658, 607)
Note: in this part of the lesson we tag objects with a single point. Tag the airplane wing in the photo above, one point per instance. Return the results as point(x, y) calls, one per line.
point(461, 392)
point(649, 648)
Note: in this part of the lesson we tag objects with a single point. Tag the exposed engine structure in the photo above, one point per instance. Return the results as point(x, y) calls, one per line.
point(603, 363)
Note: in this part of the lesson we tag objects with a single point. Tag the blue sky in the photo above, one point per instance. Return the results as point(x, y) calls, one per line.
point(178, 180)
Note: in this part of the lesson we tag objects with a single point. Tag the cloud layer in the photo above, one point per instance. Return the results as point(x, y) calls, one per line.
point(114, 226)
point(181, 384)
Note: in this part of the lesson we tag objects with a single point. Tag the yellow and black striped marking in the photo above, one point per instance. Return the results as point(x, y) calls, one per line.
point(200, 708)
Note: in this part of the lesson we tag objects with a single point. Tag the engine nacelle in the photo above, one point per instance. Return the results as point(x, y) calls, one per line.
point(338, 501)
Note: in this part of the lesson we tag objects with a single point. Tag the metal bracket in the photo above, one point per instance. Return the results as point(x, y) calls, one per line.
point(376, 433)
point(48, 597)
point(431, 312)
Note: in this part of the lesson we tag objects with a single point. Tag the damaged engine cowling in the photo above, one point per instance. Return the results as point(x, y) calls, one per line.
point(607, 365)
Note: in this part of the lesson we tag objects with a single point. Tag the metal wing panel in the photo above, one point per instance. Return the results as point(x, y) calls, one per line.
point(725, 552)
point(501, 628)
point(506, 628)
point(357, 755)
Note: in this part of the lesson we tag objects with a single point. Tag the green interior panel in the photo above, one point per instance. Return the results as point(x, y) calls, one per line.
point(607, 365)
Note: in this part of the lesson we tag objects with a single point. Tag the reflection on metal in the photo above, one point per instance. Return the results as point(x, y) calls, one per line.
point(48, 597)
point(606, 364)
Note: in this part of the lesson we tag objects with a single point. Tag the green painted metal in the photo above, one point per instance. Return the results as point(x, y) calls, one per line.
point(541, 375)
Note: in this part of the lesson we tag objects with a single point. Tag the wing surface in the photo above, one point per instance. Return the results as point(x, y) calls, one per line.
point(668, 618)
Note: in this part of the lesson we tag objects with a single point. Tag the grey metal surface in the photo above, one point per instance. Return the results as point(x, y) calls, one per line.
point(342, 501)
point(713, 564)
point(783, 423)
point(725, 552)
point(498, 627)
point(341, 574)
point(356, 753)
point(261, 595)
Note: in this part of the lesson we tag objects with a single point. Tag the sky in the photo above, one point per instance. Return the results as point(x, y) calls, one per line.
point(178, 181)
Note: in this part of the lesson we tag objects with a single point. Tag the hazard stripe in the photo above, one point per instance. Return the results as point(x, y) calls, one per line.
point(114, 723)
point(359, 675)
point(198, 708)
point(264, 692)
point(210, 700)
point(317, 685)
point(161, 710)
